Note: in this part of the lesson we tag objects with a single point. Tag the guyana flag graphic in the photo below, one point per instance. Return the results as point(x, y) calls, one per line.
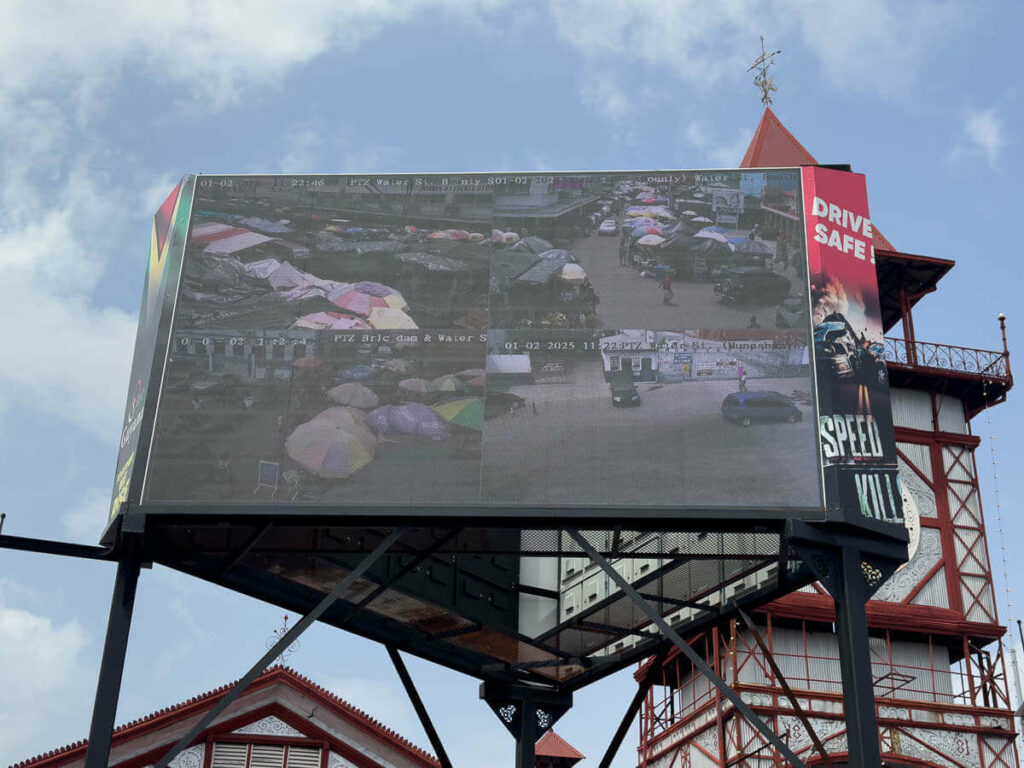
point(163, 224)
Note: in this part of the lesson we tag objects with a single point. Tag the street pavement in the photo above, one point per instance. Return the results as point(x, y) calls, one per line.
point(631, 301)
point(570, 445)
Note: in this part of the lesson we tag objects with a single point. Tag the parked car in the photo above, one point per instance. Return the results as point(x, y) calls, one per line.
point(608, 227)
point(751, 285)
point(746, 408)
point(792, 313)
point(624, 391)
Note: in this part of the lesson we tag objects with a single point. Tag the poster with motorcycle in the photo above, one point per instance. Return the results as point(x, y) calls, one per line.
point(855, 416)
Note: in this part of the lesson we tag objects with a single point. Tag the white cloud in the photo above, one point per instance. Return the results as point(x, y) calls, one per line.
point(215, 50)
point(44, 679)
point(88, 517)
point(861, 46)
point(982, 139)
point(73, 356)
point(714, 151)
point(303, 145)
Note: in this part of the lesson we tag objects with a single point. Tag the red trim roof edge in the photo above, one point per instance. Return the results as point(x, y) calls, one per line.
point(275, 674)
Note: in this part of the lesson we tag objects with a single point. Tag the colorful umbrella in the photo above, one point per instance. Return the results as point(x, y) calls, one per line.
point(409, 419)
point(390, 318)
point(447, 383)
point(345, 417)
point(688, 213)
point(650, 240)
point(307, 362)
point(354, 394)
point(326, 450)
point(414, 386)
point(471, 373)
point(358, 373)
point(701, 220)
point(467, 412)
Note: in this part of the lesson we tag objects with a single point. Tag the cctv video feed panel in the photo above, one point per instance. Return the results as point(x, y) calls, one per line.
point(705, 342)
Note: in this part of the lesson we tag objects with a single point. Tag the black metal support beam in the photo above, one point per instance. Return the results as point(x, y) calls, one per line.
point(417, 704)
point(108, 685)
point(855, 662)
point(285, 641)
point(48, 547)
point(634, 706)
point(526, 711)
point(741, 706)
point(526, 741)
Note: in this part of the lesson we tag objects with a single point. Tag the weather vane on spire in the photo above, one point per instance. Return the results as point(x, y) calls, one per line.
point(764, 83)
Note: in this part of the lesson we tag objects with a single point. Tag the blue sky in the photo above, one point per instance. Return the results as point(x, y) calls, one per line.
point(104, 104)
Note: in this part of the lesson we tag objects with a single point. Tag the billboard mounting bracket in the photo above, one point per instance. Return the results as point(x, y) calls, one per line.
point(283, 642)
point(741, 706)
point(417, 704)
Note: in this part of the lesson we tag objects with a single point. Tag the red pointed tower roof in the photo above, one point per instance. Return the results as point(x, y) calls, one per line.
point(774, 145)
point(552, 749)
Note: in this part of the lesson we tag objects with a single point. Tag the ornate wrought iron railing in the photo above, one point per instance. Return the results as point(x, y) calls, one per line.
point(943, 357)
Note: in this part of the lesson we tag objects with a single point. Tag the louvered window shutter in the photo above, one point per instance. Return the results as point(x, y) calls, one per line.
point(230, 756)
point(266, 756)
point(303, 757)
point(227, 755)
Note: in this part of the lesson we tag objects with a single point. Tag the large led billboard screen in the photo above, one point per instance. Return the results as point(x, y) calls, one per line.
point(498, 342)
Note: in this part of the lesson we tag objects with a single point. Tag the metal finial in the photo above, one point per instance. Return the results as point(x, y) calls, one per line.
point(764, 83)
point(276, 635)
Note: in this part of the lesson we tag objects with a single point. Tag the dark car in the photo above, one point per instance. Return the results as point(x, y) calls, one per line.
point(624, 391)
point(745, 408)
point(752, 285)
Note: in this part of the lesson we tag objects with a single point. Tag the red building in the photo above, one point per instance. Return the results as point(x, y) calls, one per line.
point(937, 659)
point(282, 720)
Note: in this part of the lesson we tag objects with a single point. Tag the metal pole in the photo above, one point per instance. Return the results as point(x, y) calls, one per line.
point(855, 662)
point(286, 640)
point(108, 686)
point(526, 741)
point(417, 704)
point(656, 618)
point(634, 706)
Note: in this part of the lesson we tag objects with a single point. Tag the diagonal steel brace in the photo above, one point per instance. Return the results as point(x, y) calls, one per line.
point(695, 659)
point(286, 640)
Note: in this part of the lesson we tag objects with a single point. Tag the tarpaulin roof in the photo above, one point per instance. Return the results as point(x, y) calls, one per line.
point(236, 243)
point(543, 270)
point(507, 265)
point(214, 230)
point(267, 226)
